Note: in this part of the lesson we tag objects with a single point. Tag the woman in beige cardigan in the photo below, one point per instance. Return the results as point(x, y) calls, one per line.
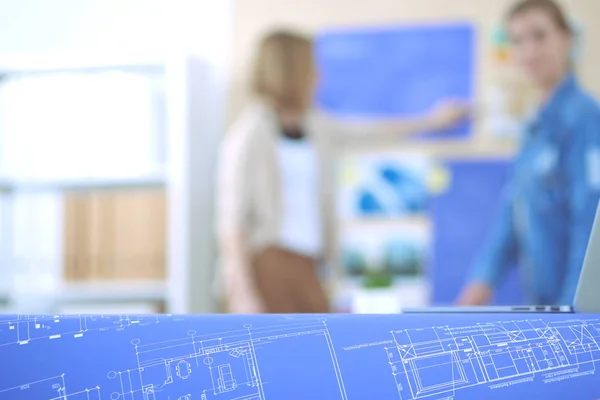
point(275, 183)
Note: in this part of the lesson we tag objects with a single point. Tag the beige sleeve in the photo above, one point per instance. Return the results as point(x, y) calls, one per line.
point(367, 133)
point(232, 186)
point(233, 208)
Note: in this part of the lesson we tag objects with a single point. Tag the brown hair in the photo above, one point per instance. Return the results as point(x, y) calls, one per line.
point(283, 69)
point(551, 7)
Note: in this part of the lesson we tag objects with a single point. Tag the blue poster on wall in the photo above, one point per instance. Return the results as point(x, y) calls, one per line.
point(462, 216)
point(400, 71)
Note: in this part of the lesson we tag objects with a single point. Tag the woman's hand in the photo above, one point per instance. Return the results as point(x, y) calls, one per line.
point(448, 114)
point(475, 294)
point(245, 300)
point(241, 294)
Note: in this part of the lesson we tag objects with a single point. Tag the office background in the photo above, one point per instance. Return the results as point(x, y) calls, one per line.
point(189, 61)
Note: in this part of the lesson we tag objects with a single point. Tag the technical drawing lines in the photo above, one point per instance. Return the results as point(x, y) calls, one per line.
point(225, 366)
point(48, 389)
point(22, 329)
point(439, 361)
point(88, 394)
point(236, 357)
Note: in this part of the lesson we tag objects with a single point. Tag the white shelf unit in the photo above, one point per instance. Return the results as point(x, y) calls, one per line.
point(410, 221)
point(195, 101)
point(8, 186)
point(111, 291)
point(95, 296)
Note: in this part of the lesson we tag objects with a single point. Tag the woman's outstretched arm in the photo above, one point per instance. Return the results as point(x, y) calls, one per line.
point(363, 132)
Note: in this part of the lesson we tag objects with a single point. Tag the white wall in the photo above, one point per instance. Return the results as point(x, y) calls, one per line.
point(75, 25)
point(113, 26)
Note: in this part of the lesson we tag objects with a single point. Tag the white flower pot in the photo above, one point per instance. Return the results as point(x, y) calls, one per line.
point(376, 301)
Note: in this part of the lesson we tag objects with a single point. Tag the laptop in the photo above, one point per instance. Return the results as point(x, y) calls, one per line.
point(587, 295)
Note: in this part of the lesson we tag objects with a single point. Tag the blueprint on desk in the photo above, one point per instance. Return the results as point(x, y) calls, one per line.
point(396, 357)
point(396, 70)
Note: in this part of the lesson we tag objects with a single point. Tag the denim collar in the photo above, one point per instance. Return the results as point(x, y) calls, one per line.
point(556, 100)
point(555, 103)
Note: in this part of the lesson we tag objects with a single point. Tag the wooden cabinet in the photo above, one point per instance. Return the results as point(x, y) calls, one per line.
point(115, 235)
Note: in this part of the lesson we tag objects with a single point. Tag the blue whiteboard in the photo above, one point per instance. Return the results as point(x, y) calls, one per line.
point(395, 71)
point(293, 357)
point(463, 216)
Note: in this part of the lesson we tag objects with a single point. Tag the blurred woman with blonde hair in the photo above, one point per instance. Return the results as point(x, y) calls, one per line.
point(275, 183)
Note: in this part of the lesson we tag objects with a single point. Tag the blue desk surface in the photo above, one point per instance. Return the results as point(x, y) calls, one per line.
point(404, 357)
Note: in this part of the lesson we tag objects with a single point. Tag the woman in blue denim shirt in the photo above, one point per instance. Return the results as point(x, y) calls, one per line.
point(554, 188)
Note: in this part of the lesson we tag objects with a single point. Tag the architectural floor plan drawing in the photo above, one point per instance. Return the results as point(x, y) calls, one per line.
point(52, 389)
point(223, 366)
point(441, 361)
point(270, 357)
point(22, 329)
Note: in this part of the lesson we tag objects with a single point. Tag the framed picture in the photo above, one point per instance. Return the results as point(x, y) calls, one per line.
point(383, 185)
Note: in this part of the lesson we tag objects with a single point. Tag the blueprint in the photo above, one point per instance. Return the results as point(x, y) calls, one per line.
point(393, 71)
point(227, 357)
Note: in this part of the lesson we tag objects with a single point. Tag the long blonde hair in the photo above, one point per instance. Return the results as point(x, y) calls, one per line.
point(284, 70)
